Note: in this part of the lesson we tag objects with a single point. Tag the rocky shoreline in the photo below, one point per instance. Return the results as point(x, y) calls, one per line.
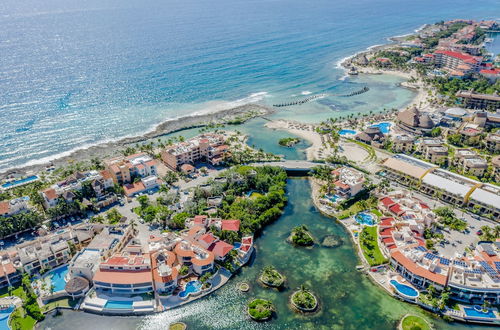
point(108, 149)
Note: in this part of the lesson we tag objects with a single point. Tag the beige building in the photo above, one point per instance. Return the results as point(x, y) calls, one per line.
point(495, 162)
point(207, 147)
point(403, 143)
point(122, 170)
point(469, 162)
point(492, 142)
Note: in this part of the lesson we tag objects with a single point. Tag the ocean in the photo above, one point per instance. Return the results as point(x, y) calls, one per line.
point(77, 73)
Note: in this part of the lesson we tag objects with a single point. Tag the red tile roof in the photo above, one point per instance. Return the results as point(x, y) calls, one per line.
point(207, 238)
point(133, 188)
point(50, 193)
point(490, 71)
point(4, 207)
point(417, 270)
point(106, 175)
point(123, 277)
point(387, 201)
point(396, 209)
point(199, 219)
point(233, 225)
point(220, 249)
point(461, 56)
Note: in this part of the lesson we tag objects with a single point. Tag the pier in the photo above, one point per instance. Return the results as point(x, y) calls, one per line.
point(298, 102)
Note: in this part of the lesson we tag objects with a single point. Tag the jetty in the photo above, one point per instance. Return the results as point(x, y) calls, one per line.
point(298, 102)
point(361, 91)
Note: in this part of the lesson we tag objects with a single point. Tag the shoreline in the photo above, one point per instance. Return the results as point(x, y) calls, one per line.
point(112, 148)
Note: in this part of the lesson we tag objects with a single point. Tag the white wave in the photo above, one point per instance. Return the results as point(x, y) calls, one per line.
point(306, 93)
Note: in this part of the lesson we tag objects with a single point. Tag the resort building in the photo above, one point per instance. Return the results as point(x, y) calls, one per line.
point(469, 162)
point(403, 143)
point(474, 100)
point(123, 170)
point(165, 274)
point(9, 268)
point(14, 206)
point(85, 264)
point(495, 163)
point(447, 186)
point(208, 147)
point(433, 150)
point(371, 135)
point(193, 255)
point(451, 60)
point(348, 182)
point(128, 272)
point(46, 252)
point(491, 74)
point(414, 121)
point(492, 142)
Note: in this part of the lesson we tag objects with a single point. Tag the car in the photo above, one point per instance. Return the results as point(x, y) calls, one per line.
point(479, 232)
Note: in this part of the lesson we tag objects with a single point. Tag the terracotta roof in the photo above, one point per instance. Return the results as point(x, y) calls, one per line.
point(233, 225)
point(220, 249)
point(4, 207)
point(187, 167)
point(170, 259)
point(133, 188)
point(194, 230)
point(182, 252)
point(199, 219)
point(387, 201)
point(417, 270)
point(203, 262)
point(123, 277)
point(50, 193)
point(207, 238)
point(106, 175)
point(396, 209)
point(342, 185)
point(461, 56)
point(386, 232)
point(246, 240)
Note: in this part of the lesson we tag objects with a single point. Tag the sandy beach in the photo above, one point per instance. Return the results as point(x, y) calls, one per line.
point(104, 150)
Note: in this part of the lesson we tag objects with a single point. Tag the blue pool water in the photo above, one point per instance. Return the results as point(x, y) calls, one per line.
point(384, 127)
point(347, 132)
point(364, 219)
point(119, 304)
point(4, 318)
point(405, 289)
point(57, 278)
point(19, 182)
point(333, 198)
point(192, 286)
point(237, 245)
point(470, 311)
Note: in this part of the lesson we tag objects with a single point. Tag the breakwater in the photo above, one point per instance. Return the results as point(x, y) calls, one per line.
point(298, 102)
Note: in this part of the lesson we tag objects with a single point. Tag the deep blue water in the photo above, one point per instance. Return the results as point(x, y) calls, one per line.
point(74, 73)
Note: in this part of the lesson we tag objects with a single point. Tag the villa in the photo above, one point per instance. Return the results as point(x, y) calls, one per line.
point(128, 272)
point(208, 147)
point(348, 182)
point(9, 268)
point(165, 275)
point(145, 184)
point(14, 206)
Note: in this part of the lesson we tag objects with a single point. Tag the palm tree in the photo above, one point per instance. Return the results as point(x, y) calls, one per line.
point(496, 231)
point(133, 225)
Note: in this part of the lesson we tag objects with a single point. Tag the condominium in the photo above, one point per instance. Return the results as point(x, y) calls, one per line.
point(469, 162)
point(348, 181)
point(457, 61)
point(123, 169)
point(207, 147)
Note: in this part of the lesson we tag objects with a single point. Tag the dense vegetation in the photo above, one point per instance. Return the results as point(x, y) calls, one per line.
point(369, 246)
point(288, 142)
point(270, 276)
point(449, 87)
point(431, 42)
point(19, 222)
point(303, 298)
point(448, 218)
point(301, 236)
point(260, 309)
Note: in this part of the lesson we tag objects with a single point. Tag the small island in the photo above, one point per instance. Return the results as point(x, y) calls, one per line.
point(260, 309)
point(271, 277)
point(301, 236)
point(304, 300)
point(288, 142)
point(414, 323)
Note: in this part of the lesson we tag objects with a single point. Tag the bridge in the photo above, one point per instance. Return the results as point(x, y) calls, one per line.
point(291, 166)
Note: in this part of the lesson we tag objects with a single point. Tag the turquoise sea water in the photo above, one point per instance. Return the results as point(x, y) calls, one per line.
point(76, 73)
point(348, 299)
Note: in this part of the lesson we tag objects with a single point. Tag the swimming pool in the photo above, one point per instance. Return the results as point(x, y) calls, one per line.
point(473, 312)
point(405, 290)
point(347, 132)
point(333, 198)
point(57, 278)
point(364, 219)
point(114, 304)
point(4, 318)
point(191, 287)
point(19, 182)
point(384, 127)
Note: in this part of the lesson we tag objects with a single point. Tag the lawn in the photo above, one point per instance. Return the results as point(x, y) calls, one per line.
point(412, 322)
point(377, 212)
point(61, 302)
point(19, 320)
point(369, 245)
